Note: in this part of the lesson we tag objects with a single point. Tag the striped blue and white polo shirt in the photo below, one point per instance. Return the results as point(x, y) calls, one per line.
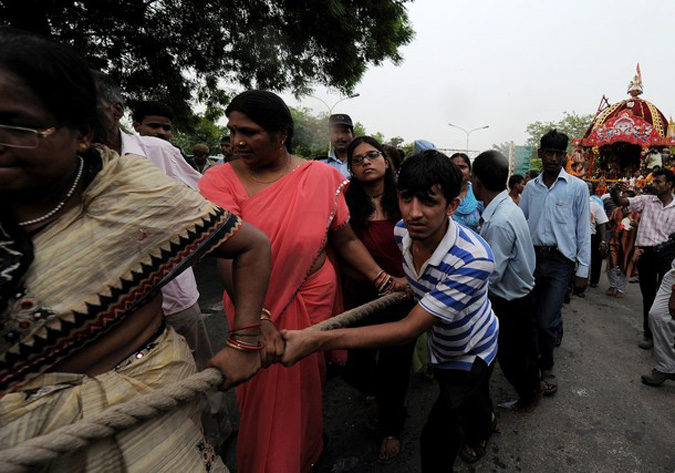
point(453, 286)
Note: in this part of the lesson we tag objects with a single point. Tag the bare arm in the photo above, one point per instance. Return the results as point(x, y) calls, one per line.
point(300, 343)
point(274, 345)
point(355, 253)
point(249, 251)
point(615, 192)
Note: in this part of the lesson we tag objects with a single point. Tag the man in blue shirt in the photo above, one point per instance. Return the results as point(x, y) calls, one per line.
point(557, 210)
point(504, 227)
point(341, 135)
point(447, 267)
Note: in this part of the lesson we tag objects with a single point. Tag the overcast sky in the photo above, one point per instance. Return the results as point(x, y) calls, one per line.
point(509, 63)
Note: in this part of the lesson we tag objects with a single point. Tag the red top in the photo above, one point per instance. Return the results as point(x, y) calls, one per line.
point(378, 239)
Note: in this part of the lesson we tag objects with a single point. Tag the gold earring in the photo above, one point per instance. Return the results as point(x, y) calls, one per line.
point(82, 147)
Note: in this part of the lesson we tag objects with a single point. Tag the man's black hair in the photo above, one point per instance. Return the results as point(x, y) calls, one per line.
point(515, 180)
point(533, 174)
point(420, 172)
point(554, 140)
point(667, 173)
point(492, 168)
point(152, 107)
point(225, 139)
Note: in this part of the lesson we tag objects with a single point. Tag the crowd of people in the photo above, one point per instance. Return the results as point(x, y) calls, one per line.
point(98, 301)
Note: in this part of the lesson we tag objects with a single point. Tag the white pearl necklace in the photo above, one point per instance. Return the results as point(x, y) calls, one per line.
point(62, 203)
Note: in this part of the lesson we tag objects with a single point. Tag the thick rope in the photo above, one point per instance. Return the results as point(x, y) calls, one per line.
point(356, 314)
point(70, 438)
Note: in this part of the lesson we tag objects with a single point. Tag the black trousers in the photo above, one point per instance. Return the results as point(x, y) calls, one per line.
point(384, 372)
point(462, 413)
point(596, 259)
point(518, 355)
point(651, 266)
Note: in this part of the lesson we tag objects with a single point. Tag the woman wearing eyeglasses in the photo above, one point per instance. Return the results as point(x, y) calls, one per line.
point(87, 240)
point(373, 205)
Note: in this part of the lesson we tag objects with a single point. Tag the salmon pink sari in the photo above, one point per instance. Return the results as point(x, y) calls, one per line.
point(281, 425)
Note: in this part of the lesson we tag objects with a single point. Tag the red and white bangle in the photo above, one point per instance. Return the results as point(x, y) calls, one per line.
point(243, 346)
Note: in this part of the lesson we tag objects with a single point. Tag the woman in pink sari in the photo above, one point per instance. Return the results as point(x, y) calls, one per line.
point(300, 206)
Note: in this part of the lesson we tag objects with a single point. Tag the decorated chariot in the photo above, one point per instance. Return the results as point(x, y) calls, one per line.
point(624, 141)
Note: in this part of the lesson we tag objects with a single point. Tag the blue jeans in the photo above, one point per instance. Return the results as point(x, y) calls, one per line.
point(551, 278)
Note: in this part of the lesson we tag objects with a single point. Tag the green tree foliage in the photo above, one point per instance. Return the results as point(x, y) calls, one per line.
point(310, 137)
point(201, 130)
point(396, 141)
point(504, 148)
point(572, 124)
point(379, 137)
point(179, 51)
point(311, 133)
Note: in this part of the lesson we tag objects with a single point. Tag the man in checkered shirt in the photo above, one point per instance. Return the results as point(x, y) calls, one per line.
point(657, 223)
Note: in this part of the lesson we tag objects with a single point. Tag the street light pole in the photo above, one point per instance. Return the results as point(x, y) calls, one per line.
point(330, 111)
point(468, 133)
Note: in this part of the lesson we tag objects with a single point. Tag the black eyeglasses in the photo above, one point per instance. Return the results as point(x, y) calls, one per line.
point(370, 155)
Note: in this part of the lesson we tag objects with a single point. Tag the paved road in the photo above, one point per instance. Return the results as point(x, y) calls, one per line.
point(603, 419)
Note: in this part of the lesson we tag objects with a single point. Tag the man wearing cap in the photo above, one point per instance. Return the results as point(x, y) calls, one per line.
point(200, 154)
point(341, 135)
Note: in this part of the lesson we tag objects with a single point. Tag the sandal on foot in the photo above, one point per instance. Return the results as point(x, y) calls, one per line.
point(389, 450)
point(548, 385)
point(473, 453)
